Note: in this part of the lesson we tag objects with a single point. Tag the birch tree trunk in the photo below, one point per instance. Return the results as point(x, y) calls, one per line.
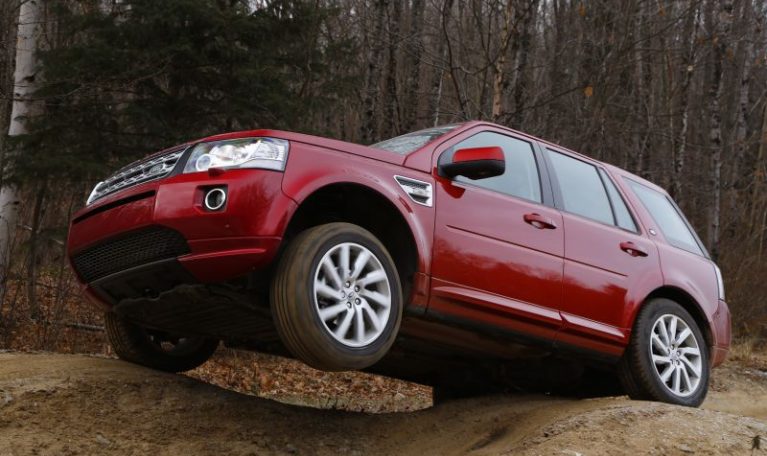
point(437, 82)
point(500, 61)
point(26, 80)
point(688, 64)
point(8, 20)
point(720, 37)
point(740, 144)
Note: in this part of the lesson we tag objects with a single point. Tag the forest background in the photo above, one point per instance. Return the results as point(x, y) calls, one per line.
point(672, 90)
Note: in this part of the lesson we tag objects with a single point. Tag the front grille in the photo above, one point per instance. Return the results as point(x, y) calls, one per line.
point(135, 249)
point(136, 173)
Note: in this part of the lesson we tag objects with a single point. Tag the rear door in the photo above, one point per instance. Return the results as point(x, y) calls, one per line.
point(606, 257)
point(493, 265)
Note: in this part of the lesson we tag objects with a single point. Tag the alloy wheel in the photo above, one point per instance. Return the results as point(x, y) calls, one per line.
point(676, 355)
point(352, 294)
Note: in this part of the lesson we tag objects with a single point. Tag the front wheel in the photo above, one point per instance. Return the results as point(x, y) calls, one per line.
point(667, 357)
point(156, 349)
point(336, 298)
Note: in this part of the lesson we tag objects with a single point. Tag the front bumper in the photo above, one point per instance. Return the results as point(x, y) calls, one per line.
point(149, 238)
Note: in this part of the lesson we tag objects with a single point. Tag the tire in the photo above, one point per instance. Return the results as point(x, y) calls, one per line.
point(303, 287)
point(156, 350)
point(643, 365)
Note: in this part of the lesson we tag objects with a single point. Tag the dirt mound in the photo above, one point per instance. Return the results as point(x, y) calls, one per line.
point(75, 405)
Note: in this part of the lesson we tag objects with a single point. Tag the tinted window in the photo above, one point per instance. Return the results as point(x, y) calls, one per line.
point(582, 190)
point(668, 218)
point(520, 178)
point(410, 142)
point(622, 215)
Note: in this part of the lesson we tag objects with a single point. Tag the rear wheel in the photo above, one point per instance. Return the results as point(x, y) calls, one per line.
point(336, 298)
point(156, 349)
point(667, 357)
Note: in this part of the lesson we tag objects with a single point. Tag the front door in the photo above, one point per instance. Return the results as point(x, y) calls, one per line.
point(498, 248)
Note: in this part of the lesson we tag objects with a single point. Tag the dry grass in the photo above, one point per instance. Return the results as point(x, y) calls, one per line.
point(750, 351)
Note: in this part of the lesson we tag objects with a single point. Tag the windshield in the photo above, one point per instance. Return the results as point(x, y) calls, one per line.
point(410, 142)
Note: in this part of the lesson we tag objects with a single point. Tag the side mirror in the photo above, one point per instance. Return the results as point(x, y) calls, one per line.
point(475, 163)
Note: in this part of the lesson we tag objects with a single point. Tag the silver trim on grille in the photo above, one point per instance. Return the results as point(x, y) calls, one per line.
point(137, 173)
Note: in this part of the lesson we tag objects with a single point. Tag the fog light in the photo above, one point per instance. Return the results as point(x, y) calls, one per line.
point(215, 199)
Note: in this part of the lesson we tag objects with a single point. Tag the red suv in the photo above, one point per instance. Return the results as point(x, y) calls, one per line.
point(450, 248)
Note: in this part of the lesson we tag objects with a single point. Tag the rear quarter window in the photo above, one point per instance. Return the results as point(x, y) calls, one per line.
point(669, 219)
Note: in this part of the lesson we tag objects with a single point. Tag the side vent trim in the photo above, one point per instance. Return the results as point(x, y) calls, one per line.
point(420, 192)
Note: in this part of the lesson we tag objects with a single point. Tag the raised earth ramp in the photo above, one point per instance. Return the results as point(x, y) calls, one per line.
point(77, 405)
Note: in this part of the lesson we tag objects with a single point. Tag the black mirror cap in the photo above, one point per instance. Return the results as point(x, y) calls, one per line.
point(474, 170)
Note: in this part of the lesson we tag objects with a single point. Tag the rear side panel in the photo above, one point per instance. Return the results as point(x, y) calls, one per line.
point(692, 274)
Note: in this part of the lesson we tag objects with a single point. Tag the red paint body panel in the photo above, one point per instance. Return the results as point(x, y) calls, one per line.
point(490, 264)
point(244, 236)
point(125, 217)
point(485, 259)
point(692, 274)
point(482, 242)
point(312, 167)
point(601, 281)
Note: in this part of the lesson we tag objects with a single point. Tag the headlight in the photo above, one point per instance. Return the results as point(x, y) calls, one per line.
point(94, 194)
point(264, 153)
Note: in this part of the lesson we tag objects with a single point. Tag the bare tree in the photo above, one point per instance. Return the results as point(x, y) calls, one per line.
point(414, 52)
point(372, 95)
point(25, 106)
point(720, 37)
point(392, 118)
point(499, 66)
point(688, 64)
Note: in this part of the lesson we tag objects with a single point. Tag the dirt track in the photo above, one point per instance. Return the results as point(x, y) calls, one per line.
point(75, 405)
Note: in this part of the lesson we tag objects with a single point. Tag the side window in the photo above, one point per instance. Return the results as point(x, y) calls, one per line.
point(669, 219)
point(521, 177)
point(582, 189)
point(622, 215)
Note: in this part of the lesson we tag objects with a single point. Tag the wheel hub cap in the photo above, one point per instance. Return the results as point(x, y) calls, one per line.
point(352, 294)
point(676, 355)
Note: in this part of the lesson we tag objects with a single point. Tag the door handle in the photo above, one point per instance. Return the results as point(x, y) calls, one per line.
point(539, 221)
point(633, 250)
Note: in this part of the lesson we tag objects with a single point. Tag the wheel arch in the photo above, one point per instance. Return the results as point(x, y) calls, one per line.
point(362, 205)
point(688, 303)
